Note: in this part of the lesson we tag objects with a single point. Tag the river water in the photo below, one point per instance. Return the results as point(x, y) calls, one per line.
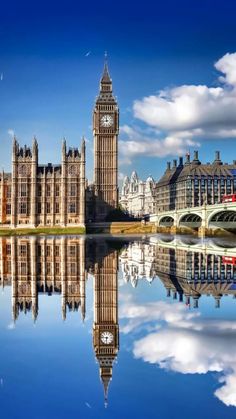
point(117, 327)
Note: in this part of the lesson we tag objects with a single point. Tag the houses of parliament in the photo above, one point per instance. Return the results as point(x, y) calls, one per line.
point(58, 195)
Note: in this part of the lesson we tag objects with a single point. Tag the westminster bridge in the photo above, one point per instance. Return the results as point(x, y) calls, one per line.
point(204, 218)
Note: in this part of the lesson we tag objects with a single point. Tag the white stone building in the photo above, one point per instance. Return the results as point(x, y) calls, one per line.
point(137, 196)
point(137, 263)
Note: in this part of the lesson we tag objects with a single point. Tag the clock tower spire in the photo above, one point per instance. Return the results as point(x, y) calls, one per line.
point(105, 326)
point(105, 132)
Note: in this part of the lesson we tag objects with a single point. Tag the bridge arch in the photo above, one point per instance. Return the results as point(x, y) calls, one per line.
point(223, 218)
point(192, 220)
point(166, 221)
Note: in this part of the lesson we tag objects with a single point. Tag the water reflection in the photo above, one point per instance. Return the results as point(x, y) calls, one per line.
point(173, 336)
point(50, 265)
point(188, 268)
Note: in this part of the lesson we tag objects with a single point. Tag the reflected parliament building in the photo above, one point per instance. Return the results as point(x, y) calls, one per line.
point(60, 265)
point(36, 265)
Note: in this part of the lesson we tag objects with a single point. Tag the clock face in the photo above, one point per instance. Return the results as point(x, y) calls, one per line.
point(107, 338)
point(106, 121)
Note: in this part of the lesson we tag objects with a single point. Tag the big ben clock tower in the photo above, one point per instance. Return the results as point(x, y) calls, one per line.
point(105, 131)
point(105, 326)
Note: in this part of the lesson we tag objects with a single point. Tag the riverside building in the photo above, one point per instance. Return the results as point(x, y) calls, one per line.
point(192, 183)
point(57, 195)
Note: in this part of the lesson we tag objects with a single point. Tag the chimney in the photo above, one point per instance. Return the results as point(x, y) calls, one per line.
point(195, 155)
point(217, 158)
point(174, 163)
point(187, 158)
point(168, 165)
point(181, 161)
point(217, 155)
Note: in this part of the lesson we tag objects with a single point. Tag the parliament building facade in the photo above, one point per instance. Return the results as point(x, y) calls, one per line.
point(57, 195)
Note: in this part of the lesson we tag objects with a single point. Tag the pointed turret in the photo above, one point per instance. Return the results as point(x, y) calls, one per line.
point(106, 381)
point(63, 150)
point(106, 84)
point(14, 147)
point(106, 76)
point(35, 147)
point(83, 148)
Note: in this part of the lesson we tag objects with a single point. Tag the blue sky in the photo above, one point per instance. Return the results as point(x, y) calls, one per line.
point(49, 85)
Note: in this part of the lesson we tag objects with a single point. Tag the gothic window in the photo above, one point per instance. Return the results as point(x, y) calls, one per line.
point(22, 250)
point(57, 268)
point(23, 268)
point(72, 251)
point(57, 190)
point(48, 208)
point(72, 208)
point(8, 209)
point(72, 268)
point(57, 251)
point(48, 251)
point(23, 189)
point(73, 189)
point(23, 208)
point(8, 249)
point(57, 208)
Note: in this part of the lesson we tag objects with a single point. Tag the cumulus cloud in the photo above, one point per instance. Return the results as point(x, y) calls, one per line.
point(182, 116)
point(185, 343)
point(134, 146)
point(227, 66)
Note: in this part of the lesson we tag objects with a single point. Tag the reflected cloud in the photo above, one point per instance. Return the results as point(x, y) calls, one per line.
point(185, 343)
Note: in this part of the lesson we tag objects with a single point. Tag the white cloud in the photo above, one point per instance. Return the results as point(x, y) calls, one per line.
point(156, 147)
point(180, 117)
point(227, 66)
point(183, 342)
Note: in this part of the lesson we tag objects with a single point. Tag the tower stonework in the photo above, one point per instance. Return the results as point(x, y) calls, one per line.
point(105, 327)
point(105, 131)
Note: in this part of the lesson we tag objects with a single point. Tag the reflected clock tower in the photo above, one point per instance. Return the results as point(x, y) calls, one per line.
point(105, 327)
point(105, 131)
